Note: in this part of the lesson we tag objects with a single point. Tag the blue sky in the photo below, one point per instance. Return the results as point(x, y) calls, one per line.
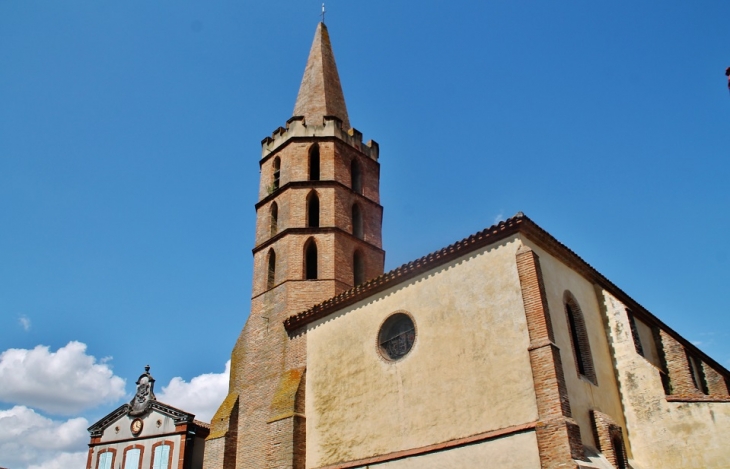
point(130, 137)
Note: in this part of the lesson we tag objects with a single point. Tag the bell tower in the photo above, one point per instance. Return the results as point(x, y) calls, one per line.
point(318, 233)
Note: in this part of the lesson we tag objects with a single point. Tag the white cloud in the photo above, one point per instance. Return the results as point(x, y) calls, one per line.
point(499, 217)
point(29, 440)
point(201, 396)
point(64, 461)
point(63, 382)
point(24, 322)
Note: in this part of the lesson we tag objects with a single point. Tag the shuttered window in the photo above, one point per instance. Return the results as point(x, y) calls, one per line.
point(161, 457)
point(131, 459)
point(105, 460)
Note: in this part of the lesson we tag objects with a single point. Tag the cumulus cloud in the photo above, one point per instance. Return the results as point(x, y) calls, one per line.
point(29, 440)
point(64, 382)
point(201, 396)
point(24, 322)
point(63, 461)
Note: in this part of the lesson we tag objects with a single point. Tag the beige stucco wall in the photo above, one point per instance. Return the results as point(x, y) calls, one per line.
point(468, 371)
point(516, 452)
point(670, 435)
point(583, 394)
point(649, 345)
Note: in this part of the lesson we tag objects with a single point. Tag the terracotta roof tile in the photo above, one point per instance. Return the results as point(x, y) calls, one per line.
point(202, 424)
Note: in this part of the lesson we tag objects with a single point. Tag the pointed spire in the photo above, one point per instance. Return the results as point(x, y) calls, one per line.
point(320, 93)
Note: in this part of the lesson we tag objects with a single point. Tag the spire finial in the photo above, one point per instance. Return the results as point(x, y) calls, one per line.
point(322, 13)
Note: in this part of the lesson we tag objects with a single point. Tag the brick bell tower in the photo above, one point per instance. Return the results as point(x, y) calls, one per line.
point(318, 233)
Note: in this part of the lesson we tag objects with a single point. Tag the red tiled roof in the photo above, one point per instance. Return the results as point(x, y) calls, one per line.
point(202, 424)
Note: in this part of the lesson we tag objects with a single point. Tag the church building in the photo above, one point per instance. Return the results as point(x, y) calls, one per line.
point(504, 350)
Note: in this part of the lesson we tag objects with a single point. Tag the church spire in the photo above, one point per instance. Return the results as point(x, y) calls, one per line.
point(320, 93)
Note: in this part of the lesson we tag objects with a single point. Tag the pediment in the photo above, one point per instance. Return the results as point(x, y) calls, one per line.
point(178, 416)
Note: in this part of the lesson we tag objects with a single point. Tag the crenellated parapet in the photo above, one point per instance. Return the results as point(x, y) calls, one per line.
point(297, 127)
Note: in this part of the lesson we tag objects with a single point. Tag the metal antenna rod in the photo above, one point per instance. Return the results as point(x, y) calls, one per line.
point(323, 13)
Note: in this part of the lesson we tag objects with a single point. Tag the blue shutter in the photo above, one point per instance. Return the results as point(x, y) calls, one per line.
point(161, 457)
point(131, 461)
point(105, 460)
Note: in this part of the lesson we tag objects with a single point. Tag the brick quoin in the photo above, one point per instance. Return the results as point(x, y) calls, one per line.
point(558, 435)
point(262, 422)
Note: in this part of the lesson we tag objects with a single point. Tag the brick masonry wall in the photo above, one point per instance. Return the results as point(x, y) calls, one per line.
point(558, 435)
point(677, 366)
point(605, 431)
point(335, 261)
point(335, 163)
point(214, 453)
point(716, 383)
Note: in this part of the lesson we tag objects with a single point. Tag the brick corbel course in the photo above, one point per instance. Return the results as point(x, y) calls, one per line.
point(558, 435)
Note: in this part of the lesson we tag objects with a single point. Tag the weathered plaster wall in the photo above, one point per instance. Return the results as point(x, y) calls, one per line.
point(583, 394)
point(686, 435)
point(516, 452)
point(468, 371)
point(649, 345)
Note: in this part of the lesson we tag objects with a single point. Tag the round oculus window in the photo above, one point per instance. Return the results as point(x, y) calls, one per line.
point(396, 336)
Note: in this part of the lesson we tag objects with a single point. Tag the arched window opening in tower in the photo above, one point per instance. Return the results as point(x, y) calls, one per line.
point(358, 268)
point(357, 222)
point(276, 174)
point(579, 338)
point(310, 260)
point(313, 210)
point(271, 273)
point(274, 218)
point(356, 177)
point(314, 163)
